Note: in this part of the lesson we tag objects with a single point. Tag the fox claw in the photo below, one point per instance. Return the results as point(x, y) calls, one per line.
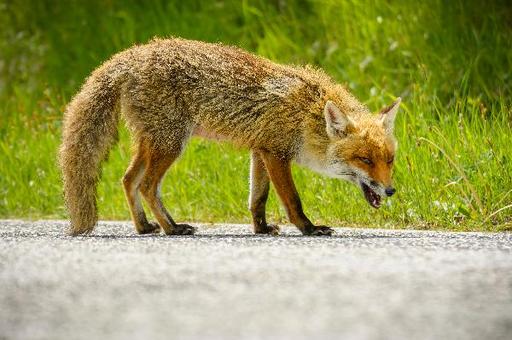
point(322, 231)
point(182, 229)
point(270, 229)
point(150, 228)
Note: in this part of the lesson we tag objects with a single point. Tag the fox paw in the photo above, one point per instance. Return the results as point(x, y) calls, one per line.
point(269, 229)
point(149, 228)
point(322, 231)
point(182, 229)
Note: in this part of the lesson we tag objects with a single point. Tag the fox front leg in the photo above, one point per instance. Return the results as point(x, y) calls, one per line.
point(280, 173)
point(258, 196)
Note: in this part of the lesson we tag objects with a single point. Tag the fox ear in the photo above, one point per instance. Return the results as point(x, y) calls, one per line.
point(388, 114)
point(338, 123)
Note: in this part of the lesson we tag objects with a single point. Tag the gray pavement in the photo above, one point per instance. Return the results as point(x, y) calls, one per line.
point(225, 283)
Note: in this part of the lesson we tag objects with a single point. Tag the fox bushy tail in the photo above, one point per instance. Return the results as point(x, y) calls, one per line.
point(89, 131)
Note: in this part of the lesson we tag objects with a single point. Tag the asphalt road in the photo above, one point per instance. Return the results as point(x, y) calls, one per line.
point(225, 283)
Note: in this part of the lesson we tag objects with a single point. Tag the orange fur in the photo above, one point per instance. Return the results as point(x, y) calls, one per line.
point(170, 89)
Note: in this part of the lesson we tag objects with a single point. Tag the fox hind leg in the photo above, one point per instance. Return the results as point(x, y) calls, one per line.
point(157, 161)
point(131, 183)
point(259, 188)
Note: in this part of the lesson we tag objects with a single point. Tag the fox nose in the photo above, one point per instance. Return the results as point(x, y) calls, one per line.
point(390, 191)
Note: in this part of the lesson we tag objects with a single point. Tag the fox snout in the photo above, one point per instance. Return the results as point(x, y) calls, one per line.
point(390, 191)
point(374, 191)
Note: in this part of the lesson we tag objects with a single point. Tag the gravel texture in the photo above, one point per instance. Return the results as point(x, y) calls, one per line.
point(226, 283)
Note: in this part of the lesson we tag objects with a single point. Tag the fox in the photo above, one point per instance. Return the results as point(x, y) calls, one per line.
point(170, 90)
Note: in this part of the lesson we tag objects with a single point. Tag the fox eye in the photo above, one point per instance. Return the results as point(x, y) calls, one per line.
point(391, 160)
point(366, 160)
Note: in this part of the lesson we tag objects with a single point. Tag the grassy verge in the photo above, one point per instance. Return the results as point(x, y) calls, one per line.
point(450, 62)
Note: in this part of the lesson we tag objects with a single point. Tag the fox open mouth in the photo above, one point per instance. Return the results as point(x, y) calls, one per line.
point(371, 196)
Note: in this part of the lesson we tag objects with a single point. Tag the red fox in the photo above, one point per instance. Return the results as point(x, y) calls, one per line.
point(171, 89)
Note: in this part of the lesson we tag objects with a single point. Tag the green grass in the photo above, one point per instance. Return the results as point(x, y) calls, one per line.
point(451, 61)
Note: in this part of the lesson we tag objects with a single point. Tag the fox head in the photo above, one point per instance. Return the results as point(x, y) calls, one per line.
point(361, 149)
